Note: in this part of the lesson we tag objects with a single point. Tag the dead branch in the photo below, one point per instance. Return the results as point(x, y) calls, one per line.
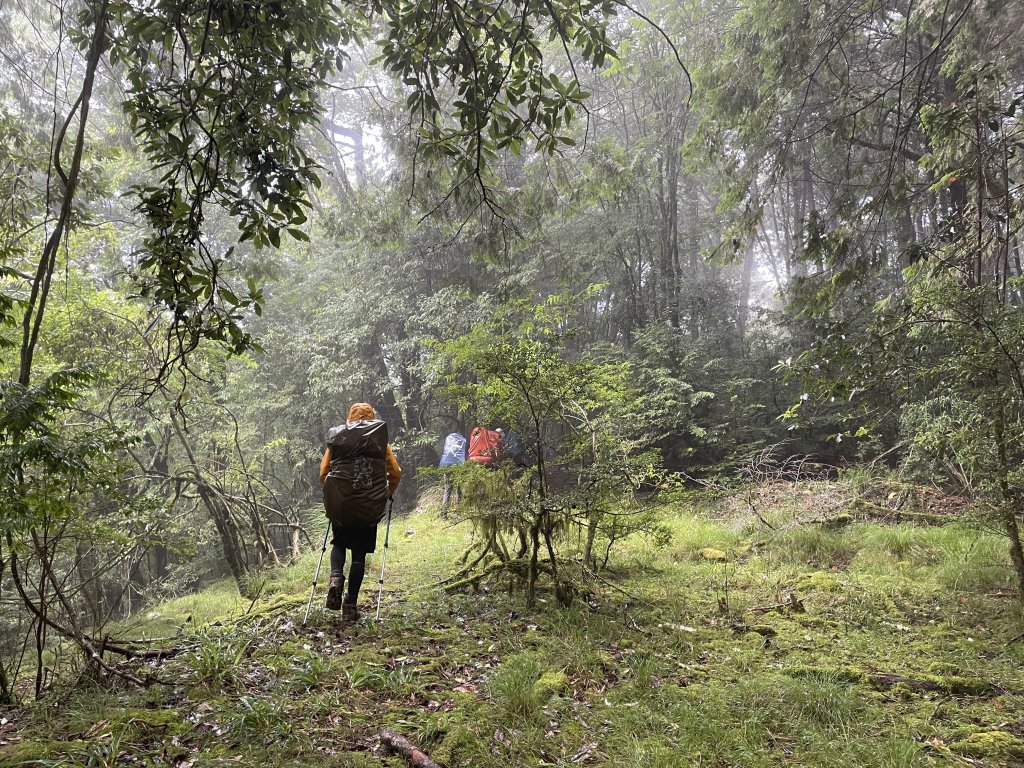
point(956, 686)
point(83, 641)
point(416, 758)
point(92, 648)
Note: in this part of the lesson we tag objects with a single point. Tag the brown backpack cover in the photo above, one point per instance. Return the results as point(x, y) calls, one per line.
point(356, 489)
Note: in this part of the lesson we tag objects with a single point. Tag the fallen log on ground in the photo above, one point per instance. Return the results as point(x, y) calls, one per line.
point(952, 685)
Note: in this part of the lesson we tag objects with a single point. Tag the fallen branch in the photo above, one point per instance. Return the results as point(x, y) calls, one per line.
point(473, 580)
point(950, 684)
point(793, 603)
point(466, 570)
point(92, 648)
point(595, 575)
point(417, 758)
point(960, 686)
point(84, 641)
point(758, 515)
point(870, 511)
point(127, 649)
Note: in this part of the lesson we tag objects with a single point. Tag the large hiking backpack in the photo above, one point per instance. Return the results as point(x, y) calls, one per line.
point(513, 447)
point(454, 451)
point(356, 488)
point(484, 446)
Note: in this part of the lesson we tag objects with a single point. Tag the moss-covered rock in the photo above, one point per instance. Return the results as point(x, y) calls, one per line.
point(713, 555)
point(994, 744)
point(35, 751)
point(899, 683)
point(458, 746)
point(549, 684)
point(941, 668)
point(818, 581)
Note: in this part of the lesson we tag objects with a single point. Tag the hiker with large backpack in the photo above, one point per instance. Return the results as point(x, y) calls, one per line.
point(514, 448)
point(359, 474)
point(485, 447)
point(452, 455)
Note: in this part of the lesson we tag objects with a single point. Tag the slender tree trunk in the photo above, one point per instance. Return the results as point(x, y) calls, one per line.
point(227, 528)
point(1010, 500)
point(1018, 295)
point(799, 231)
point(44, 564)
point(36, 304)
point(675, 267)
point(773, 263)
point(6, 694)
point(531, 583)
point(91, 588)
point(588, 544)
point(1016, 548)
point(743, 310)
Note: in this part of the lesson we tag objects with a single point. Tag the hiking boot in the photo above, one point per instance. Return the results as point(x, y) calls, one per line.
point(349, 611)
point(334, 592)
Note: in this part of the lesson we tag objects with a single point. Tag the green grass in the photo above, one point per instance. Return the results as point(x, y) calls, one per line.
point(890, 646)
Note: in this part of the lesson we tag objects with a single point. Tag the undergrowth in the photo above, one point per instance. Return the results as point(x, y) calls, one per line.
point(737, 644)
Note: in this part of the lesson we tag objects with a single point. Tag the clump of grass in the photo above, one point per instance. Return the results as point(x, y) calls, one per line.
point(817, 545)
point(689, 535)
point(365, 676)
point(263, 717)
point(641, 669)
point(972, 560)
point(295, 578)
point(217, 659)
point(902, 543)
point(518, 687)
point(788, 705)
point(217, 601)
point(576, 640)
point(309, 672)
point(897, 752)
point(862, 605)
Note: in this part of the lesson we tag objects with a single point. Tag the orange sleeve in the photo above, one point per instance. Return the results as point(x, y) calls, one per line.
point(325, 465)
point(393, 470)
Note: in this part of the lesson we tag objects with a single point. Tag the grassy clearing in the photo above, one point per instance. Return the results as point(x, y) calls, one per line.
point(733, 645)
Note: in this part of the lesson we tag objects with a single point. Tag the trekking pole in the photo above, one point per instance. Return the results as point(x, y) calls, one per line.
point(384, 559)
point(317, 574)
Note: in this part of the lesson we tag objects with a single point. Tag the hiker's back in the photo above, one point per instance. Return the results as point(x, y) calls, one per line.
point(484, 446)
point(454, 451)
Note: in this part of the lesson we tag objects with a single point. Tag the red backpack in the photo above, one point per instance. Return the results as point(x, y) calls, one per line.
point(484, 446)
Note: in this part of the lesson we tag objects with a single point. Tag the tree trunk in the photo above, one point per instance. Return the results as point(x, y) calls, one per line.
point(1010, 501)
point(227, 528)
point(6, 694)
point(91, 588)
point(36, 304)
point(588, 545)
point(1016, 549)
point(531, 583)
point(743, 311)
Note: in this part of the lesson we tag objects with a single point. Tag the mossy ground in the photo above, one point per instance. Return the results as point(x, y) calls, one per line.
point(872, 645)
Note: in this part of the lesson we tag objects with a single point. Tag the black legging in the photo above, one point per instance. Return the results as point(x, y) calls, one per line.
point(355, 571)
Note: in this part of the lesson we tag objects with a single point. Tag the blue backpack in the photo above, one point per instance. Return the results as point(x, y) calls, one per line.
point(454, 451)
